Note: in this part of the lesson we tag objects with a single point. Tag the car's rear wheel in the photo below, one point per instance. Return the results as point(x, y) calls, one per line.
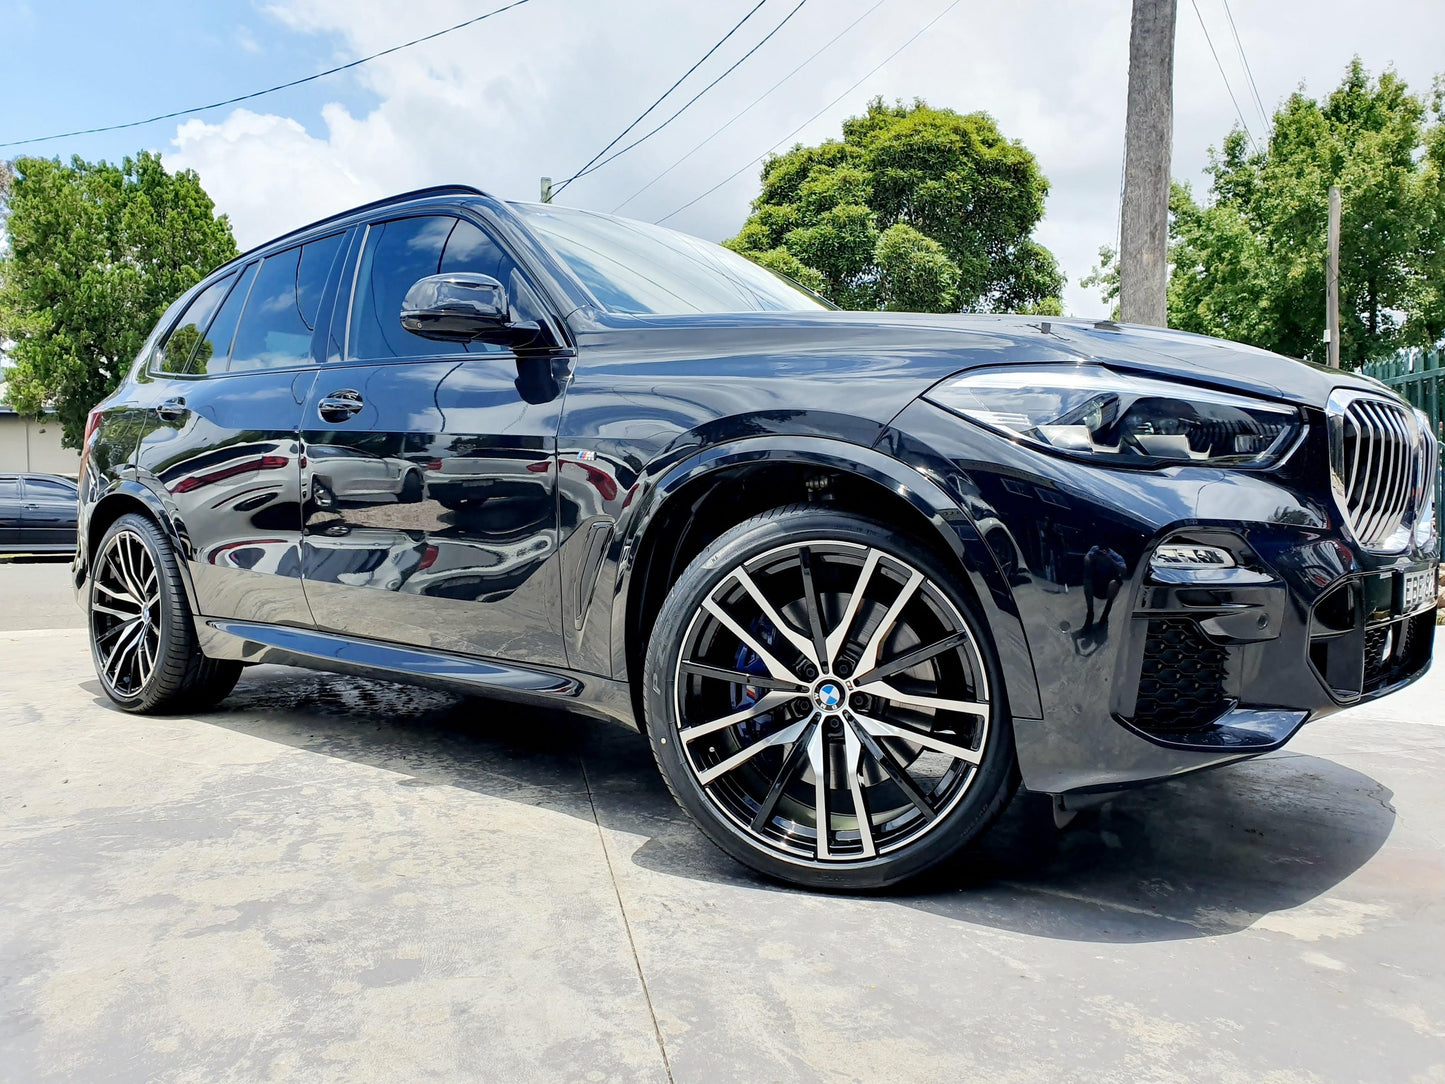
point(825, 702)
point(141, 636)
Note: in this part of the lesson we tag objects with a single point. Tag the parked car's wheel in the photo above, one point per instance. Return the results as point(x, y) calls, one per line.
point(141, 635)
point(812, 660)
point(322, 496)
point(412, 489)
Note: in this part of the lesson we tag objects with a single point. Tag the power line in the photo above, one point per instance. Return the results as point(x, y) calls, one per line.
point(1237, 111)
point(739, 115)
point(695, 97)
point(1249, 74)
point(268, 90)
point(814, 117)
point(618, 138)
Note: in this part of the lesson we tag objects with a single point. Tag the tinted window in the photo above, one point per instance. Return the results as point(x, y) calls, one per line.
point(633, 267)
point(175, 353)
point(211, 352)
point(48, 487)
point(9, 489)
point(280, 313)
point(398, 253)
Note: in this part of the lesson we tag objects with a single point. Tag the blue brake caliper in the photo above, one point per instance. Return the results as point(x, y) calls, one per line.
point(745, 696)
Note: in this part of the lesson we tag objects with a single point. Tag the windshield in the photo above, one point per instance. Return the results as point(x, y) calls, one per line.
point(633, 267)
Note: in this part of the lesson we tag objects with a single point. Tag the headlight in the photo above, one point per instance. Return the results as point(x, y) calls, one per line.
point(1428, 458)
point(1121, 419)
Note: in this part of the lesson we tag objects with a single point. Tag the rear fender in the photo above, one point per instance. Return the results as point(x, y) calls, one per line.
point(129, 492)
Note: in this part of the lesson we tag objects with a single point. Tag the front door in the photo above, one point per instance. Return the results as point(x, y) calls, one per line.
point(226, 388)
point(428, 468)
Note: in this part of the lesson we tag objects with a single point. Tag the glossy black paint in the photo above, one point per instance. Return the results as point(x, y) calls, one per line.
point(509, 519)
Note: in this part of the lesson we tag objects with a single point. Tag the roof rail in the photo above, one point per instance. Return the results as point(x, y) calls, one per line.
point(419, 193)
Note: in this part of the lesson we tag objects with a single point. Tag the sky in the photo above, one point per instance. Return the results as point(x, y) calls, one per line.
point(538, 90)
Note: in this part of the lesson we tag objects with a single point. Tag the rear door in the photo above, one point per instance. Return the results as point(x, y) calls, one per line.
point(9, 511)
point(228, 384)
point(48, 513)
point(431, 512)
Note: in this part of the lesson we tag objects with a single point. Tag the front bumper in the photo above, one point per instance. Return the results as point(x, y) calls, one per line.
point(1182, 670)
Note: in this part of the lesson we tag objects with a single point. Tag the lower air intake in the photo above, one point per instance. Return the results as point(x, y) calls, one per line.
point(1181, 684)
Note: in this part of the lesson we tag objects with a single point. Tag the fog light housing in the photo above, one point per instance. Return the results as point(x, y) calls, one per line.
point(1190, 557)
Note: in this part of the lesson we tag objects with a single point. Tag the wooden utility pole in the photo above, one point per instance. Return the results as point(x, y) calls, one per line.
point(1332, 280)
point(1148, 140)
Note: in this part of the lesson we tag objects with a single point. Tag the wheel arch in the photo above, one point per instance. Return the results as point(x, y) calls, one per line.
point(131, 496)
point(741, 479)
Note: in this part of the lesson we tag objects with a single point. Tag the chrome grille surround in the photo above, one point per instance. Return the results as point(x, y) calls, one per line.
point(1380, 467)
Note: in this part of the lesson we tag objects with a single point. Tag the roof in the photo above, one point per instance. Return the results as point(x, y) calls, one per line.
point(401, 197)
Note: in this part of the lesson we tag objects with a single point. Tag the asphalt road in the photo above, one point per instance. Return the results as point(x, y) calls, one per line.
point(349, 880)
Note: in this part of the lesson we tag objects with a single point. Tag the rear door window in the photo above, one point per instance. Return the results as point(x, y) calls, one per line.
point(48, 488)
point(279, 317)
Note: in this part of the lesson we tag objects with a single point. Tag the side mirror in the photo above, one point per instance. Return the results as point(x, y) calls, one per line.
point(464, 307)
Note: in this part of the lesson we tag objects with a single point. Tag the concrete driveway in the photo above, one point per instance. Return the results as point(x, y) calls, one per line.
point(351, 880)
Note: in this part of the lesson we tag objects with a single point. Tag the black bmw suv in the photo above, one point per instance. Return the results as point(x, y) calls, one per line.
point(855, 575)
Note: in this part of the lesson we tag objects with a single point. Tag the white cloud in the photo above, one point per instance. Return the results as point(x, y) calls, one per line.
point(538, 90)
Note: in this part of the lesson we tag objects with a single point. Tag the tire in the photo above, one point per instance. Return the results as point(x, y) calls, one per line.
point(751, 784)
point(322, 496)
point(142, 639)
point(412, 489)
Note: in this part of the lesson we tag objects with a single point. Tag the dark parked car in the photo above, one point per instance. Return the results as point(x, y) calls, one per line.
point(855, 575)
point(37, 513)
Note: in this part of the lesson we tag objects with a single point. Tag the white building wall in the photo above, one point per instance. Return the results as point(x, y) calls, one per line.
point(30, 445)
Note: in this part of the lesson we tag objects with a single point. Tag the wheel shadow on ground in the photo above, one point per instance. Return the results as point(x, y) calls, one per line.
point(1202, 856)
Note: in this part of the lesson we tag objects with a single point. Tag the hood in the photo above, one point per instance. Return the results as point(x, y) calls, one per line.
point(921, 348)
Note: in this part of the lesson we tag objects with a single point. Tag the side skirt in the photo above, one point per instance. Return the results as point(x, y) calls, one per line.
point(251, 642)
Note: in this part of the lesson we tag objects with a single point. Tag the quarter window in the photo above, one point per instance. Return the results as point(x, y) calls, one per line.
point(175, 353)
point(280, 313)
point(213, 350)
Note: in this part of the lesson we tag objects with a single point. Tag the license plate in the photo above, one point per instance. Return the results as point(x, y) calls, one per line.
point(1419, 590)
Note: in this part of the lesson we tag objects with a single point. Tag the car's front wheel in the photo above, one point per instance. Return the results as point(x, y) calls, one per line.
point(141, 636)
point(823, 699)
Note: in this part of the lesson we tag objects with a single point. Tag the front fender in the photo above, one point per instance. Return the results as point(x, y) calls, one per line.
point(952, 526)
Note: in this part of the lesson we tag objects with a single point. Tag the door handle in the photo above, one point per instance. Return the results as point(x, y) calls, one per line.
point(173, 410)
point(340, 405)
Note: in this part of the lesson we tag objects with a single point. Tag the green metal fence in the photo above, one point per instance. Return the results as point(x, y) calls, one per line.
point(1417, 375)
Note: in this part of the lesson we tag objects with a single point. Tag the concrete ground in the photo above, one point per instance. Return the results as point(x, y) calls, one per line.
point(350, 880)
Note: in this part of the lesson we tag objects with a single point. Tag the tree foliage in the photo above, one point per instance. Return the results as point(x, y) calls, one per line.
point(915, 208)
point(96, 253)
point(1249, 263)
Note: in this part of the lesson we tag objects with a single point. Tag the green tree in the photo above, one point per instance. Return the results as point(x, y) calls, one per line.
point(915, 208)
point(1249, 261)
point(96, 253)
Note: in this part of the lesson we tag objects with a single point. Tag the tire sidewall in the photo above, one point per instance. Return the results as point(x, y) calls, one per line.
point(974, 811)
point(171, 636)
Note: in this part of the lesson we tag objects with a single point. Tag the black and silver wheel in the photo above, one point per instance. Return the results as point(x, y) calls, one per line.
point(141, 637)
point(825, 704)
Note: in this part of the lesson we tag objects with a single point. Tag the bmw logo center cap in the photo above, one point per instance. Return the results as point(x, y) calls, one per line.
point(829, 695)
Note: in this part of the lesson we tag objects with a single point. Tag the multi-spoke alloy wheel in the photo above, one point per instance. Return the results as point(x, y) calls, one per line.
point(141, 636)
point(830, 715)
point(125, 614)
